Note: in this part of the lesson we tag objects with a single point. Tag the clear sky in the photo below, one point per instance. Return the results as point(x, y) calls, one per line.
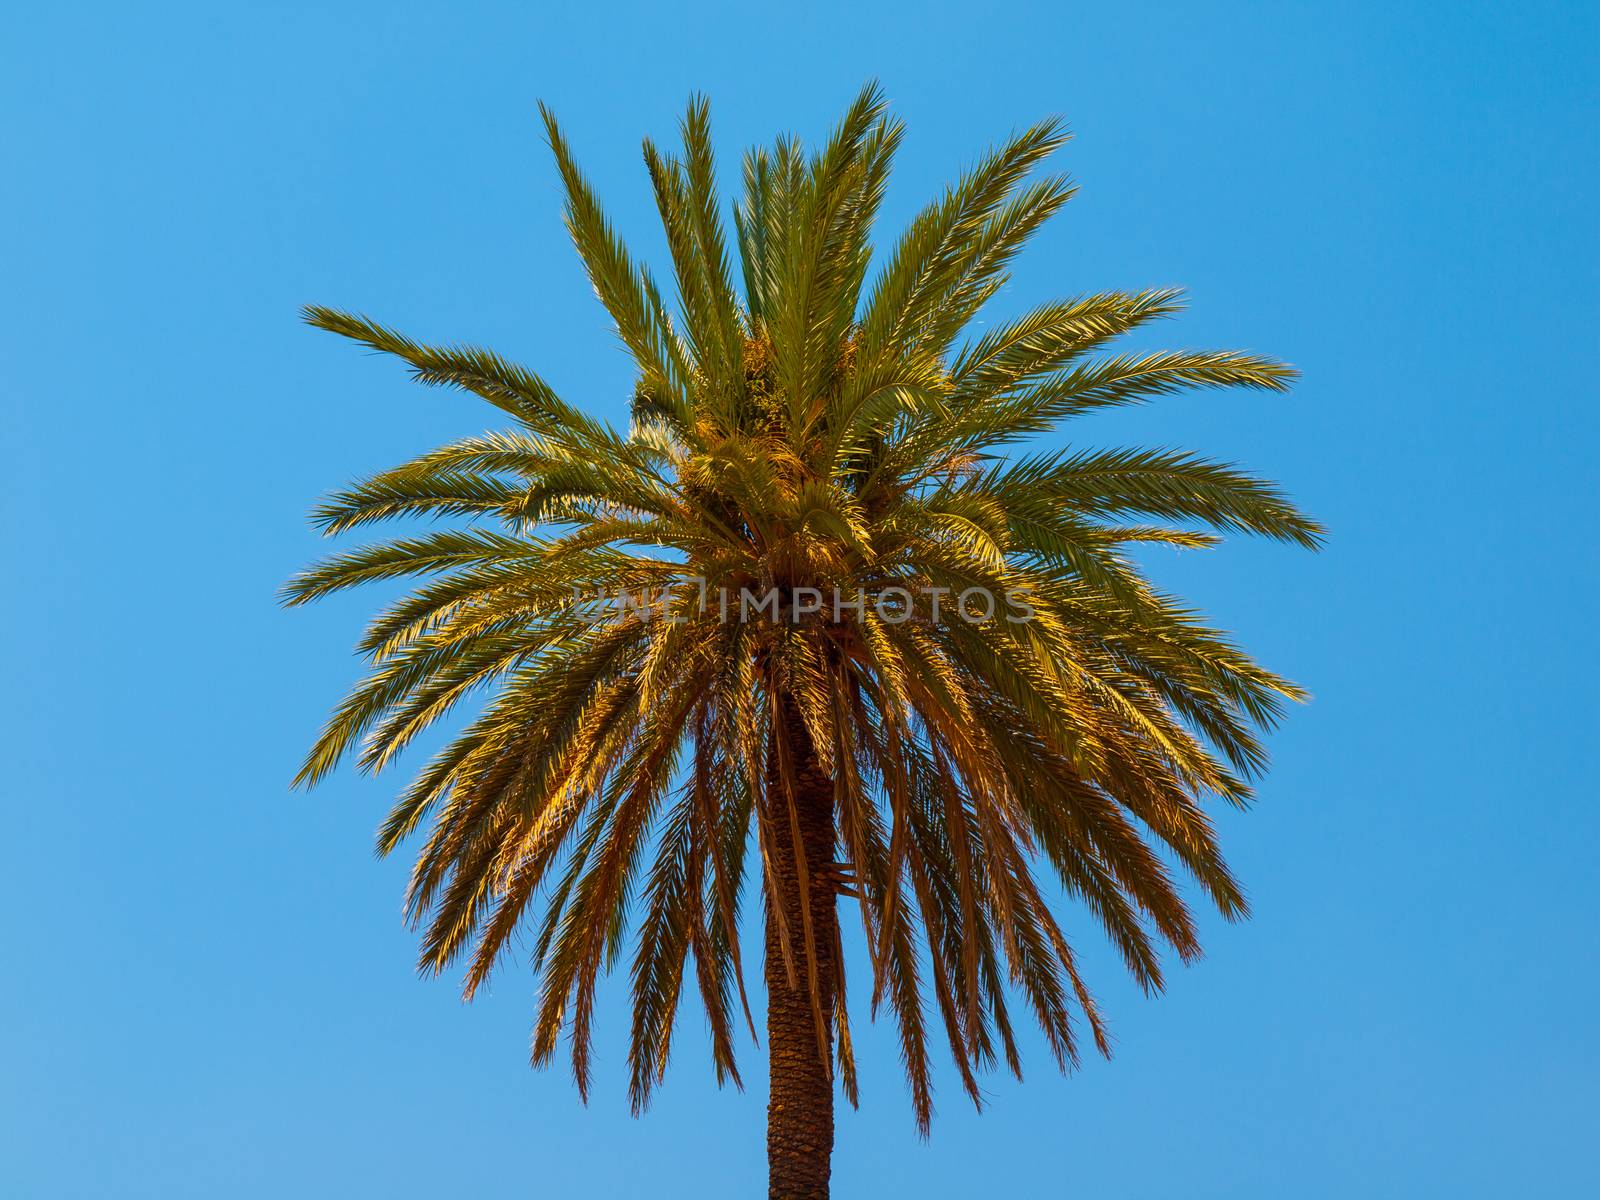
point(207, 990)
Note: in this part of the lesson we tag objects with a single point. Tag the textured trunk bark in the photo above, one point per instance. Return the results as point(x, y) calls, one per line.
point(800, 1111)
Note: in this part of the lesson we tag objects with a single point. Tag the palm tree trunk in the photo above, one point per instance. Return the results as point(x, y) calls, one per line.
point(800, 1111)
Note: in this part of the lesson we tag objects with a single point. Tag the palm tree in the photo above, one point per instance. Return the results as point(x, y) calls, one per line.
point(819, 450)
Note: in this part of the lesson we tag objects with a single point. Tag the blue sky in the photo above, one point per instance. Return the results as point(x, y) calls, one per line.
point(208, 990)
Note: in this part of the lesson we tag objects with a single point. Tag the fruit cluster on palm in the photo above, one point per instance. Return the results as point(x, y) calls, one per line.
point(629, 784)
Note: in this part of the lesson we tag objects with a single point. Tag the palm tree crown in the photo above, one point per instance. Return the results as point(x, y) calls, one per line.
point(648, 753)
